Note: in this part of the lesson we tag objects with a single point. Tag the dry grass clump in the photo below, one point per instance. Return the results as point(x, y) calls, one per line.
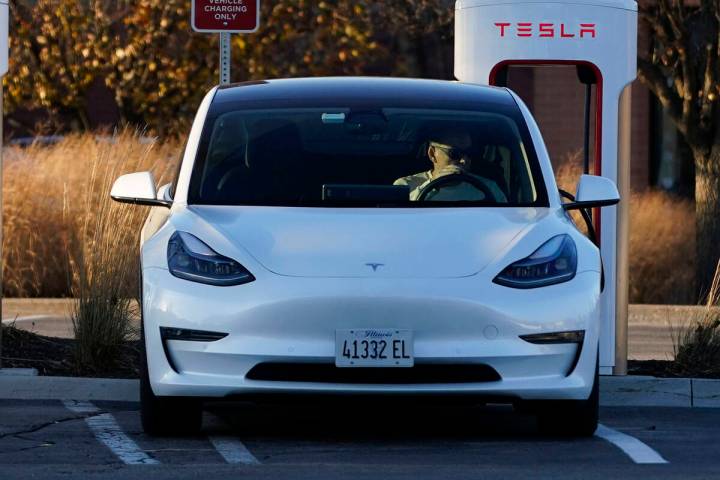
point(568, 172)
point(697, 346)
point(662, 241)
point(45, 192)
point(34, 232)
point(64, 236)
point(103, 251)
point(662, 249)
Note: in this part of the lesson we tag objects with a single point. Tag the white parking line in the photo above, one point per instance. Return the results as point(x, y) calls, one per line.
point(108, 432)
point(233, 450)
point(638, 451)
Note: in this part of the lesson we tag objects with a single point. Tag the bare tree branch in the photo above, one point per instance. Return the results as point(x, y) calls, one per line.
point(673, 17)
point(653, 77)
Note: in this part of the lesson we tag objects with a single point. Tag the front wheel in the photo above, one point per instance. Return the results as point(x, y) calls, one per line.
point(166, 416)
point(571, 418)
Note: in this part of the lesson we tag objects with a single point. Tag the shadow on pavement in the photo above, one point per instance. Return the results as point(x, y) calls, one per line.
point(367, 420)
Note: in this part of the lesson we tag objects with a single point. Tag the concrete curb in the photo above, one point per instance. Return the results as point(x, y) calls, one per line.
point(69, 388)
point(18, 372)
point(659, 392)
point(706, 393)
point(636, 391)
point(644, 391)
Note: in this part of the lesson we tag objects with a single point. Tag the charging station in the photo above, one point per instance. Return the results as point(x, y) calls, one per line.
point(599, 38)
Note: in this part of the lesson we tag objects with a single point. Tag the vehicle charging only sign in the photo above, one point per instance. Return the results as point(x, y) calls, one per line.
point(231, 16)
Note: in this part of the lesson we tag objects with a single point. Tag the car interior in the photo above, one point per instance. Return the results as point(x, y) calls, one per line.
point(291, 158)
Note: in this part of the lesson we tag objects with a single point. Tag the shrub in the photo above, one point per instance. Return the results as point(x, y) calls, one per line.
point(697, 346)
point(46, 203)
point(34, 233)
point(662, 241)
point(662, 249)
point(64, 235)
point(103, 255)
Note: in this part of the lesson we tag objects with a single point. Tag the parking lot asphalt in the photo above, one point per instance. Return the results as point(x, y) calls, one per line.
point(53, 439)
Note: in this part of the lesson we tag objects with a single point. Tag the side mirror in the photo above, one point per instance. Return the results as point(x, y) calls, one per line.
point(163, 193)
point(593, 192)
point(137, 188)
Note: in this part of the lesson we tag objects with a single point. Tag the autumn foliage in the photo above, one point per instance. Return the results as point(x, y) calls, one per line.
point(145, 56)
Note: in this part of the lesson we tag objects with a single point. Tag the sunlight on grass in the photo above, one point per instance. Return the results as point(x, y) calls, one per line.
point(697, 345)
point(65, 236)
point(662, 241)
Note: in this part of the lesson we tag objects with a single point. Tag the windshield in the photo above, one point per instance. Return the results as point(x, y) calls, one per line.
point(389, 157)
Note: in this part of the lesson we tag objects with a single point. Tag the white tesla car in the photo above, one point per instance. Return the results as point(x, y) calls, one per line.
point(367, 236)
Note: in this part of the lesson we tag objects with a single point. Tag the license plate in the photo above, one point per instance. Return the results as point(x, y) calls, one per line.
point(374, 348)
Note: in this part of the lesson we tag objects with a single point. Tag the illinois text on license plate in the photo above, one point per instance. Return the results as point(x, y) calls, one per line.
point(374, 348)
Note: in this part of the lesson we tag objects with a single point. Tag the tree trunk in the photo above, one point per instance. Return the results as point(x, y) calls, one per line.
point(707, 216)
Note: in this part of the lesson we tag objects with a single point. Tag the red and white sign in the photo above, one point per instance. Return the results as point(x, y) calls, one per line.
point(546, 30)
point(232, 16)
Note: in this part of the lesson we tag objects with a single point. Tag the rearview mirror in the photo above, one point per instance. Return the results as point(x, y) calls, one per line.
point(594, 191)
point(137, 188)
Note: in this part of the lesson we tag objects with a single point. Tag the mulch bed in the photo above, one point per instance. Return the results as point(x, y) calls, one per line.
point(669, 369)
point(55, 356)
point(653, 368)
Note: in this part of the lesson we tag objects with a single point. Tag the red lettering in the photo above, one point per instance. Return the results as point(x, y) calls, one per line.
point(587, 28)
point(524, 29)
point(547, 30)
point(563, 34)
point(502, 26)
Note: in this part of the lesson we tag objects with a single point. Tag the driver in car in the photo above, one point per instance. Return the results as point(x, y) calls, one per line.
point(448, 151)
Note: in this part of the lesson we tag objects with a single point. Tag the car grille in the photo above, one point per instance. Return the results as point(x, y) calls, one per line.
point(329, 373)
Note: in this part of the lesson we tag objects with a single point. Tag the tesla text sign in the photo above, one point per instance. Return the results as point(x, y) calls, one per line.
point(546, 30)
point(232, 16)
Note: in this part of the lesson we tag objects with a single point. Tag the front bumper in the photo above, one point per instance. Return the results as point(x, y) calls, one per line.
point(293, 320)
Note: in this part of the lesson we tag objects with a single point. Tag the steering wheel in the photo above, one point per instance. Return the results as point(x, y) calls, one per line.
point(456, 178)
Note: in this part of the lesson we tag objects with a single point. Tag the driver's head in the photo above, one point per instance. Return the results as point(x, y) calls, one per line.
point(449, 147)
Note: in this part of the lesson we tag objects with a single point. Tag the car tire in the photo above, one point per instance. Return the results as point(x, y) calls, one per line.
point(571, 418)
point(165, 416)
point(168, 416)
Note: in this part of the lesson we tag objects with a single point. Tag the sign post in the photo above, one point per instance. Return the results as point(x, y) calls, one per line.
point(225, 58)
point(225, 17)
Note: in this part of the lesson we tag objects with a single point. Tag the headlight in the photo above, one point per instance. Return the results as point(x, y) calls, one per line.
point(190, 259)
point(554, 262)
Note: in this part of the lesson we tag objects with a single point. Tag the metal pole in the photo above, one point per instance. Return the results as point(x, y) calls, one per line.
point(225, 58)
point(623, 233)
point(586, 138)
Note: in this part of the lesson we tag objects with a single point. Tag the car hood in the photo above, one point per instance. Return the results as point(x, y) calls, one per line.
point(390, 243)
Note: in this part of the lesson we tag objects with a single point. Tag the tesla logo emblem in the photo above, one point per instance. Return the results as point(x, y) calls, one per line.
point(545, 30)
point(375, 266)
